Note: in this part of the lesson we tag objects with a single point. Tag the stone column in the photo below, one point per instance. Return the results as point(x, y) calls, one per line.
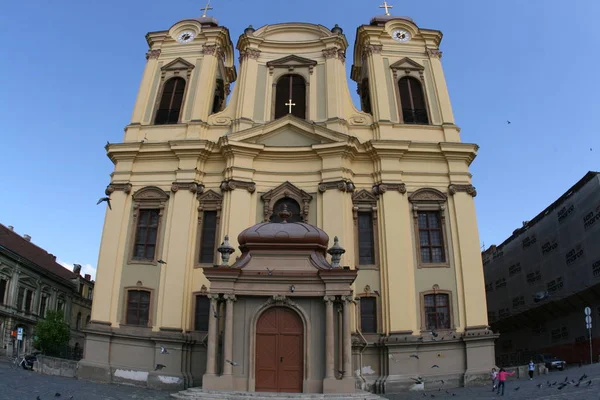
point(228, 340)
point(211, 348)
point(347, 340)
point(329, 335)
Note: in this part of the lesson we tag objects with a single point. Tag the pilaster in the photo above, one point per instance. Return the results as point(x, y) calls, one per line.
point(377, 82)
point(205, 84)
point(246, 86)
point(441, 88)
point(143, 96)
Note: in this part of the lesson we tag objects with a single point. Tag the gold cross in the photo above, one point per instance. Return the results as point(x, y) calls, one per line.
point(205, 9)
point(290, 105)
point(386, 6)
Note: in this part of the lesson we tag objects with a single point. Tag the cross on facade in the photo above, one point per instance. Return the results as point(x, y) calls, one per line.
point(205, 9)
point(386, 6)
point(290, 105)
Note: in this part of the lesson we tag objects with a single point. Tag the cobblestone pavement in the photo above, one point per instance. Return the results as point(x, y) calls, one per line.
point(19, 384)
point(528, 390)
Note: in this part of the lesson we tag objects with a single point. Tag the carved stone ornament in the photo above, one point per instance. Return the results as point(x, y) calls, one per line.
point(278, 299)
point(428, 195)
point(286, 190)
point(232, 184)
point(291, 62)
point(213, 50)
point(469, 189)
point(372, 49)
point(153, 54)
point(342, 55)
point(191, 186)
point(343, 186)
point(249, 53)
point(203, 289)
point(381, 188)
point(125, 187)
point(435, 53)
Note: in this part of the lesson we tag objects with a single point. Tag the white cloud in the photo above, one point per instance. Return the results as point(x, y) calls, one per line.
point(85, 268)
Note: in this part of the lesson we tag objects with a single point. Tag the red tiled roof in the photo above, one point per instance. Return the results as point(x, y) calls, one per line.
point(17, 244)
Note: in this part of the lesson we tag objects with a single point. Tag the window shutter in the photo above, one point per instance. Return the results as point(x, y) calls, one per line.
point(209, 234)
point(368, 314)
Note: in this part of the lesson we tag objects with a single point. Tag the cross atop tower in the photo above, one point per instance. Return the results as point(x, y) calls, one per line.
point(205, 9)
point(386, 6)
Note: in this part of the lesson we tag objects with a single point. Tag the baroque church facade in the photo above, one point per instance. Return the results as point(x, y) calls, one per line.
point(284, 240)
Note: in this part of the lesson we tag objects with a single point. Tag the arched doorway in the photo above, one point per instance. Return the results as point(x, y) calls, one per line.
point(279, 351)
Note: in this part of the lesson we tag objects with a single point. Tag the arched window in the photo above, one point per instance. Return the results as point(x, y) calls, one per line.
point(219, 97)
point(290, 96)
point(78, 322)
point(171, 102)
point(292, 206)
point(365, 96)
point(412, 99)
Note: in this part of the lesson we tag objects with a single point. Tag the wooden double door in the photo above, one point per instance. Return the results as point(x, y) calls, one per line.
point(279, 351)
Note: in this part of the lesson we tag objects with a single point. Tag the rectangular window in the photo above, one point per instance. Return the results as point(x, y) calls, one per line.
point(28, 300)
point(431, 239)
point(146, 233)
point(366, 243)
point(3, 284)
point(437, 311)
point(368, 314)
point(43, 305)
point(202, 313)
point(20, 298)
point(208, 237)
point(60, 305)
point(138, 307)
point(90, 293)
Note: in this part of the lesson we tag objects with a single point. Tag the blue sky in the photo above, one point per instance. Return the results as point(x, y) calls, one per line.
point(70, 70)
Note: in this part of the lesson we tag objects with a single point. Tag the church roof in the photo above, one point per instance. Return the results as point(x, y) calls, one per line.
point(283, 234)
point(382, 19)
point(23, 248)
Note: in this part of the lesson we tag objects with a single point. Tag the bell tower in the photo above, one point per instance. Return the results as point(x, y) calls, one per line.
point(189, 70)
point(398, 70)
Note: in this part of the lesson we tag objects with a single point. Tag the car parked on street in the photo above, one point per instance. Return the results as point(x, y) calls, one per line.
point(551, 362)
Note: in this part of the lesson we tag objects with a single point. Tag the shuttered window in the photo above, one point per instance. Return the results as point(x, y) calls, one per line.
point(171, 101)
point(138, 307)
point(202, 313)
point(368, 314)
point(412, 101)
point(366, 244)
point(208, 237)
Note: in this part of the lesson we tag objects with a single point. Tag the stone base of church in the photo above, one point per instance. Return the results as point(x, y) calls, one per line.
point(218, 383)
point(130, 356)
point(202, 394)
point(347, 385)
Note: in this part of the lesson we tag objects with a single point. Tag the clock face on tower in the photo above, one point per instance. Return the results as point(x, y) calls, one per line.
point(185, 36)
point(400, 35)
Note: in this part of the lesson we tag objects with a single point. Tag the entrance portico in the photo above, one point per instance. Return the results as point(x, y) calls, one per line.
point(278, 328)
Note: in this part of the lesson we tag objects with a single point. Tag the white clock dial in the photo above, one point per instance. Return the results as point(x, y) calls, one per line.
point(185, 36)
point(401, 35)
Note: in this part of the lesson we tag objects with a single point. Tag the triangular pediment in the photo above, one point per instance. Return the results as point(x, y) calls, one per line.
point(407, 64)
point(177, 65)
point(291, 61)
point(289, 131)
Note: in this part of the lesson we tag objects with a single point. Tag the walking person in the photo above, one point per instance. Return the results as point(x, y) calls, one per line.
point(531, 369)
point(494, 376)
point(502, 374)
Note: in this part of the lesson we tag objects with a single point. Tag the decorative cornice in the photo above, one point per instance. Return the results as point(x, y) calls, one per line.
point(334, 52)
point(233, 184)
point(249, 53)
point(435, 53)
point(191, 186)
point(381, 188)
point(469, 189)
point(229, 297)
point(125, 187)
point(328, 299)
point(372, 49)
point(342, 55)
point(213, 49)
point(153, 54)
point(343, 185)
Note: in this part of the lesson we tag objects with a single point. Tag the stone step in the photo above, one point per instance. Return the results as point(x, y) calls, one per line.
point(199, 394)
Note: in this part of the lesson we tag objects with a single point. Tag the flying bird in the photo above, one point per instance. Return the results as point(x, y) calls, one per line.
point(161, 261)
point(582, 377)
point(106, 199)
point(434, 333)
point(566, 379)
point(163, 350)
point(56, 394)
point(508, 122)
point(270, 271)
point(414, 356)
point(215, 313)
point(232, 363)
point(539, 386)
point(38, 398)
point(435, 366)
point(159, 367)
point(588, 383)
point(376, 292)
point(517, 388)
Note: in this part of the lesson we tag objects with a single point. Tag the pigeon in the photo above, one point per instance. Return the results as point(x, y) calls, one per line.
point(561, 386)
point(161, 261)
point(577, 384)
point(539, 386)
point(106, 199)
point(232, 363)
point(434, 333)
point(582, 377)
point(554, 384)
point(508, 122)
point(56, 394)
point(38, 398)
point(270, 271)
point(215, 313)
point(588, 383)
point(414, 356)
point(566, 379)
point(159, 367)
point(517, 388)
point(435, 366)
point(163, 350)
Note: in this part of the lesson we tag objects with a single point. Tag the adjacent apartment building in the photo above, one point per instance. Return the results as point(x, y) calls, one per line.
point(539, 280)
point(31, 283)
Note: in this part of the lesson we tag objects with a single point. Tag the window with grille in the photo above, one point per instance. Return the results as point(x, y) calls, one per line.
point(208, 237)
point(138, 307)
point(431, 239)
point(368, 314)
point(146, 234)
point(171, 101)
point(437, 311)
point(412, 101)
point(202, 313)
